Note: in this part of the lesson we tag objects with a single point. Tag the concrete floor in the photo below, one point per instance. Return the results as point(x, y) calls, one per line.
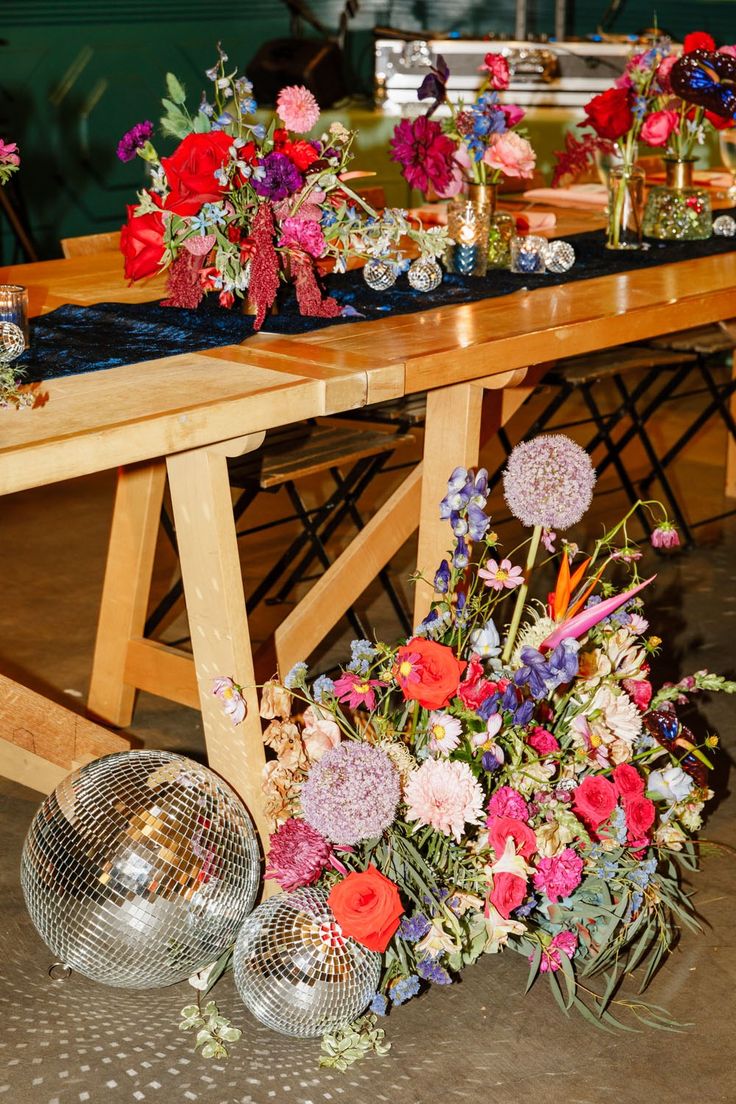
point(480, 1040)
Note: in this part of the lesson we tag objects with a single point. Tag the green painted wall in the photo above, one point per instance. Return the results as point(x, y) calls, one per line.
point(75, 74)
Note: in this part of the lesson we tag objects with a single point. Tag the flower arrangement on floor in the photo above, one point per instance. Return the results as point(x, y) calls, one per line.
point(240, 207)
point(479, 788)
point(476, 144)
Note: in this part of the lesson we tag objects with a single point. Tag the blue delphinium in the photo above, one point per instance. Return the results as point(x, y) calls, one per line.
point(442, 578)
point(562, 664)
point(533, 672)
point(379, 1005)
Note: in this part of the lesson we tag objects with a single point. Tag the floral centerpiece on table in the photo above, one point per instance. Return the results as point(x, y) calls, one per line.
point(508, 778)
point(477, 143)
point(11, 397)
point(240, 207)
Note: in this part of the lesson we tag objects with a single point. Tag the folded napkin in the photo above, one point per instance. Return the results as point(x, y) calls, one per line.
point(535, 221)
point(577, 195)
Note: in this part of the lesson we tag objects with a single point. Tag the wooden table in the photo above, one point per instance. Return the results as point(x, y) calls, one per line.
point(189, 412)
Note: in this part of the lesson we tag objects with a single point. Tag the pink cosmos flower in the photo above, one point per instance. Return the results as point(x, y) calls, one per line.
point(559, 875)
point(320, 734)
point(232, 699)
point(497, 68)
point(497, 576)
point(665, 536)
point(407, 668)
point(444, 793)
point(507, 802)
point(658, 127)
point(305, 234)
point(297, 855)
point(444, 732)
point(565, 941)
point(511, 154)
point(298, 108)
point(356, 690)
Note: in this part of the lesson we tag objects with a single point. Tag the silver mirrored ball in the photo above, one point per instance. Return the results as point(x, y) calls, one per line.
point(558, 256)
point(139, 869)
point(296, 971)
point(380, 274)
point(724, 226)
point(12, 342)
point(424, 274)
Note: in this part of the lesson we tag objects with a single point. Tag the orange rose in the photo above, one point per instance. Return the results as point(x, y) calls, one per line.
point(367, 907)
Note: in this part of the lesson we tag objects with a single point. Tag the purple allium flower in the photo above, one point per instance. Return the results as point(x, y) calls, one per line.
point(432, 971)
point(297, 855)
point(134, 139)
point(665, 536)
point(351, 793)
point(414, 928)
point(280, 179)
point(549, 482)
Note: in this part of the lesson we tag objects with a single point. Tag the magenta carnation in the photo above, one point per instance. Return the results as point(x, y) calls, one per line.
point(304, 234)
point(559, 875)
point(424, 153)
point(134, 139)
point(297, 855)
point(507, 802)
point(565, 941)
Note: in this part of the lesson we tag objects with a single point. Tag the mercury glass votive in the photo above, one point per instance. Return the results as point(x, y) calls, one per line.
point(527, 254)
point(468, 225)
point(14, 307)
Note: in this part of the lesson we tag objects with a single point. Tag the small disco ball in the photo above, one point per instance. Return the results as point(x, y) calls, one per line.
point(379, 275)
point(139, 869)
point(558, 255)
point(424, 274)
point(296, 971)
point(12, 341)
point(724, 226)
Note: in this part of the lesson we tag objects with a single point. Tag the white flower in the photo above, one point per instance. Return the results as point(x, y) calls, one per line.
point(437, 941)
point(499, 929)
point(444, 733)
point(613, 716)
point(486, 642)
point(670, 784)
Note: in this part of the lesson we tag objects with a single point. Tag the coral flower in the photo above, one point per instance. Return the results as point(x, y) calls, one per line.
point(298, 108)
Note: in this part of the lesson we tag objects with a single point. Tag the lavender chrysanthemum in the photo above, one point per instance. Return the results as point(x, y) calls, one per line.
point(549, 482)
point(352, 793)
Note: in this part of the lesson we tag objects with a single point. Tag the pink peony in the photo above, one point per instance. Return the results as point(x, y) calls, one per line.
point(543, 742)
point(297, 855)
point(444, 793)
point(320, 734)
point(511, 154)
point(507, 802)
point(305, 234)
point(658, 127)
point(497, 68)
point(565, 941)
point(298, 108)
point(559, 875)
point(509, 890)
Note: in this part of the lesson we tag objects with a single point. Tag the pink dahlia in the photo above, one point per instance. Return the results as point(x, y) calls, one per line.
point(298, 108)
point(444, 794)
point(297, 855)
point(559, 875)
point(424, 153)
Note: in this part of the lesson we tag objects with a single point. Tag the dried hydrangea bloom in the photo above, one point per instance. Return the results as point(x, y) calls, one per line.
point(549, 482)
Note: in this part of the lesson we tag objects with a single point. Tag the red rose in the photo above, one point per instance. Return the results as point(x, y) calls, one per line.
point(698, 40)
point(639, 817)
point(594, 800)
point(509, 890)
point(628, 781)
point(302, 153)
point(432, 675)
point(525, 842)
point(367, 907)
point(543, 742)
point(190, 172)
point(475, 688)
point(142, 244)
point(610, 113)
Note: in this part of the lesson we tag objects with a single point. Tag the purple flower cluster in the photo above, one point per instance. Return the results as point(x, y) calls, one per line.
point(351, 793)
point(430, 970)
point(464, 504)
point(281, 177)
point(543, 674)
point(134, 139)
point(414, 928)
point(549, 482)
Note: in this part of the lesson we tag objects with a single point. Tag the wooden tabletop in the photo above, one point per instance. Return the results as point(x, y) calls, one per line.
point(123, 415)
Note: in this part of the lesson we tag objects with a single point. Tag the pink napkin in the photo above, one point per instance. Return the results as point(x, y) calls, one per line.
point(581, 195)
point(536, 221)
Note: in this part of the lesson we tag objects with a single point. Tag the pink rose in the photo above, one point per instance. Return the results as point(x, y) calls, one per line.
point(658, 127)
point(507, 802)
point(640, 692)
point(497, 68)
point(594, 800)
point(513, 114)
point(639, 818)
point(320, 734)
point(543, 742)
point(628, 781)
point(509, 890)
point(503, 828)
point(511, 154)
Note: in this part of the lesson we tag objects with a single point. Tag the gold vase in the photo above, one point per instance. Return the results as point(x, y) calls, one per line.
point(468, 226)
point(678, 210)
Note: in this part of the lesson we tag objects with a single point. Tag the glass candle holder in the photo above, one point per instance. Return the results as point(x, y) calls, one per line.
point(14, 307)
point(468, 223)
point(527, 254)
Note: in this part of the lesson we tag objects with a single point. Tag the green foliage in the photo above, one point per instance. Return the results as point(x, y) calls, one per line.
point(175, 89)
point(213, 1030)
point(348, 1045)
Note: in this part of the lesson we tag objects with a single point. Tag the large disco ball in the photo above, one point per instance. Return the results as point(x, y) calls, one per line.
point(140, 868)
point(295, 970)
